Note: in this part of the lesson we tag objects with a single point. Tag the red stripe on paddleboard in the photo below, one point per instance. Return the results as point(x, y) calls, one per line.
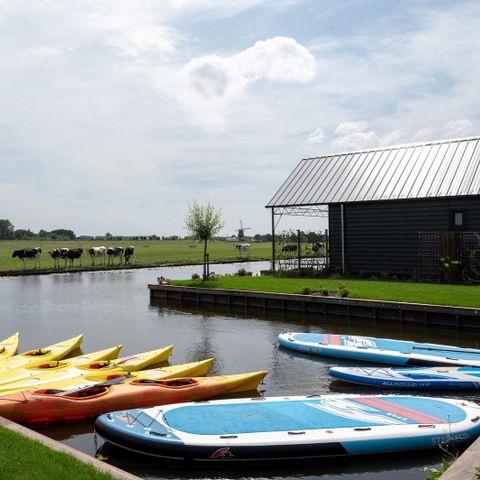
point(427, 415)
point(415, 415)
point(334, 340)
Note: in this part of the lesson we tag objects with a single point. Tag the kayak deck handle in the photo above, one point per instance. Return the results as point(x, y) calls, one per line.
point(426, 426)
point(228, 436)
point(362, 429)
point(296, 433)
point(475, 419)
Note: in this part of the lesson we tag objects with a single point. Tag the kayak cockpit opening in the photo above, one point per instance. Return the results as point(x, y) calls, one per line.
point(100, 364)
point(51, 365)
point(36, 353)
point(79, 394)
point(173, 383)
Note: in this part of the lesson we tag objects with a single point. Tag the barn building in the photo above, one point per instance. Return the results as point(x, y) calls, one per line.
point(395, 210)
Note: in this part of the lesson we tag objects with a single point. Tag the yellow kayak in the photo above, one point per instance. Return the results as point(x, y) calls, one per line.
point(196, 369)
point(9, 346)
point(62, 371)
point(22, 373)
point(32, 357)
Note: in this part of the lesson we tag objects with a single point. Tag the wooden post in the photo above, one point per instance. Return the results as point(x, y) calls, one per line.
point(299, 254)
point(273, 240)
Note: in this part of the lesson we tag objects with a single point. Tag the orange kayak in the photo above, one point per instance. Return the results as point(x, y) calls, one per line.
point(55, 405)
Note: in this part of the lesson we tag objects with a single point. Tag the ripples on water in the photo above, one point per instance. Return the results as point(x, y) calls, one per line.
point(113, 307)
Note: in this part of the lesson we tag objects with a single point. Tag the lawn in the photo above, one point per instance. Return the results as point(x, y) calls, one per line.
point(431, 293)
point(147, 252)
point(24, 458)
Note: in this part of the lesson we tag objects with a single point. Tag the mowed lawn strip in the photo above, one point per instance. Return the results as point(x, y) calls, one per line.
point(147, 252)
point(23, 458)
point(414, 292)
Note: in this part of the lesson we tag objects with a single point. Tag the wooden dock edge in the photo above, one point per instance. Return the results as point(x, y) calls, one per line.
point(464, 468)
point(458, 317)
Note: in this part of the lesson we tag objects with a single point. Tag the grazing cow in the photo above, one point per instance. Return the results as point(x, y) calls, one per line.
point(28, 254)
point(113, 252)
point(74, 253)
point(317, 247)
point(98, 252)
point(289, 249)
point(243, 247)
point(128, 254)
point(57, 254)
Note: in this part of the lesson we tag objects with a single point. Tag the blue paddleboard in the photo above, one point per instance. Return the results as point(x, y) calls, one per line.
point(289, 428)
point(380, 350)
point(420, 378)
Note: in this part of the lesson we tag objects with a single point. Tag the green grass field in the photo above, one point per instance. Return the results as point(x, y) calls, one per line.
point(147, 252)
point(431, 293)
point(23, 458)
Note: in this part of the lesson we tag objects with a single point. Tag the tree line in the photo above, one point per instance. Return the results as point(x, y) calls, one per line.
point(8, 232)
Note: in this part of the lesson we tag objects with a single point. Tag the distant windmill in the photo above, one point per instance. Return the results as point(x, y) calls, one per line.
point(241, 231)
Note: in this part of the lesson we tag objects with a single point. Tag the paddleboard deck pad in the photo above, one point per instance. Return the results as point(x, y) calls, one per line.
point(380, 350)
point(292, 427)
point(420, 378)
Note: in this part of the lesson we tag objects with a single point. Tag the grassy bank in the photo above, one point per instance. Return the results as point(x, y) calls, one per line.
point(432, 293)
point(147, 252)
point(23, 458)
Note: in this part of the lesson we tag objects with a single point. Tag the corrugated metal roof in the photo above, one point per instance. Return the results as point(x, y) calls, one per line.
point(445, 168)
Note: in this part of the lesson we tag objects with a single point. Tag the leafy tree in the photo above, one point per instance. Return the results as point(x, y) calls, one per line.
point(6, 229)
point(63, 234)
point(202, 223)
point(22, 234)
point(108, 236)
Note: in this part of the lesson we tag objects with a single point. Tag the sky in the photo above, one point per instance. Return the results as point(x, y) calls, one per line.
point(115, 115)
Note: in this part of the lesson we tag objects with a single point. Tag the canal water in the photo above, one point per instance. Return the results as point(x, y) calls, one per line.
point(114, 308)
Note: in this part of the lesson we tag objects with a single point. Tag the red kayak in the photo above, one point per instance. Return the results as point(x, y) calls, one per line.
point(56, 405)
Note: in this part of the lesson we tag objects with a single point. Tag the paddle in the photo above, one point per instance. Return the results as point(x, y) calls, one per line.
point(457, 350)
point(107, 383)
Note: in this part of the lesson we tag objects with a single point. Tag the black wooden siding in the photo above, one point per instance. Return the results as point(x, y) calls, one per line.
point(383, 236)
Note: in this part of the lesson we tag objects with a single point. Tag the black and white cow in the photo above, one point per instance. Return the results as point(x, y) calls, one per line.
point(74, 253)
point(28, 254)
point(97, 252)
point(113, 252)
point(317, 247)
point(243, 247)
point(128, 254)
point(57, 254)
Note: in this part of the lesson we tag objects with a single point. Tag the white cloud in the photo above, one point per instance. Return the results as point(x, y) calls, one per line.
point(349, 128)
point(458, 128)
point(278, 59)
point(41, 51)
point(424, 135)
point(317, 136)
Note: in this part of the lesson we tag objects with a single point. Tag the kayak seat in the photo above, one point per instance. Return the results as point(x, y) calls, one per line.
point(90, 392)
point(104, 364)
point(52, 391)
point(35, 353)
point(49, 365)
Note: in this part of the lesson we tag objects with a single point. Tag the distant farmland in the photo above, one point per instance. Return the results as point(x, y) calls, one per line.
point(147, 252)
